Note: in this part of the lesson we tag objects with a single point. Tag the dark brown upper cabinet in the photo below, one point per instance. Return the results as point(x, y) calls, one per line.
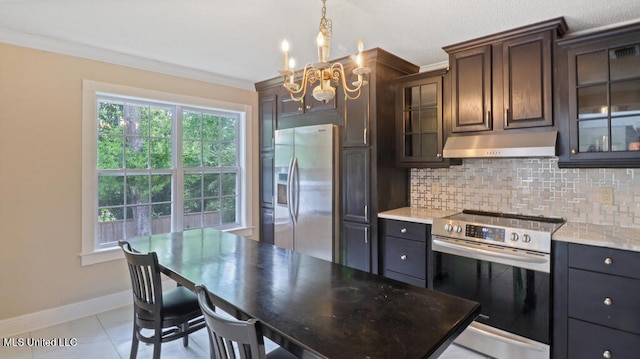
point(309, 105)
point(601, 72)
point(421, 118)
point(504, 81)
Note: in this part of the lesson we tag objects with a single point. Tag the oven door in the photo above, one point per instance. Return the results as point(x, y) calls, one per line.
point(513, 287)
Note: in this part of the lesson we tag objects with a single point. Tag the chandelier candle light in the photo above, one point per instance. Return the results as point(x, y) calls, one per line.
point(323, 71)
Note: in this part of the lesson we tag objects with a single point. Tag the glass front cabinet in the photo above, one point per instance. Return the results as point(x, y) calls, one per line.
point(419, 120)
point(604, 99)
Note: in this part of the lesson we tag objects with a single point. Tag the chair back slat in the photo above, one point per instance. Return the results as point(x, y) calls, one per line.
point(145, 279)
point(230, 338)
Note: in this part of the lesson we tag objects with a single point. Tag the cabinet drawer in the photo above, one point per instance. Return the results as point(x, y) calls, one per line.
point(605, 299)
point(605, 260)
point(406, 256)
point(588, 340)
point(408, 230)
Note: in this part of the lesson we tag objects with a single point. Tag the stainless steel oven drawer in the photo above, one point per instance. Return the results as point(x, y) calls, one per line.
point(406, 257)
point(605, 299)
point(588, 340)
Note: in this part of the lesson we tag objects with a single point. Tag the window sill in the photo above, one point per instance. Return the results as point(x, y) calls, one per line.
point(100, 256)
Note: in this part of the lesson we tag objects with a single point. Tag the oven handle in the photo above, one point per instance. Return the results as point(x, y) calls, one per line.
point(505, 337)
point(489, 252)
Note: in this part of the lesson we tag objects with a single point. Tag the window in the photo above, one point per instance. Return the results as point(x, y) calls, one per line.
point(159, 166)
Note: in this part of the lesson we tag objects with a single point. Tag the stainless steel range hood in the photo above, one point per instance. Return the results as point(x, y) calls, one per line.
point(523, 144)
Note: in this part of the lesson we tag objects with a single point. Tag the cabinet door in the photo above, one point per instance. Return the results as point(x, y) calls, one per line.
point(471, 89)
point(527, 87)
point(419, 121)
point(604, 100)
point(587, 340)
point(266, 179)
point(356, 184)
point(604, 299)
point(267, 122)
point(308, 105)
point(355, 239)
point(266, 225)
point(355, 131)
point(406, 257)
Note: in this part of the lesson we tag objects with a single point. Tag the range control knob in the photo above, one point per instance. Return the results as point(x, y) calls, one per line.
point(448, 227)
point(514, 236)
point(457, 228)
point(526, 238)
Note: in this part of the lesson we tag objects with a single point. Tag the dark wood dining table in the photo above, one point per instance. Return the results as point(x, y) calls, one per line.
point(312, 307)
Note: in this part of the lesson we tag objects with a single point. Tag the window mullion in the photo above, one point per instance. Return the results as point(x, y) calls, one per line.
point(178, 172)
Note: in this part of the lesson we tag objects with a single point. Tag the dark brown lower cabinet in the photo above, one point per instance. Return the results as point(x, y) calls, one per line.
point(356, 245)
point(596, 302)
point(266, 225)
point(405, 251)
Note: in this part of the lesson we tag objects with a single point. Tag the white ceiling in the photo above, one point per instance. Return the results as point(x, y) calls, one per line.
point(238, 42)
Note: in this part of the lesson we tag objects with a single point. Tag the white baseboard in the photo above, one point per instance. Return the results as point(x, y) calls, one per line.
point(46, 318)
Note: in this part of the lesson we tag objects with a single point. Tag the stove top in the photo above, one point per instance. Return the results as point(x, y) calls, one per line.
point(510, 220)
point(500, 229)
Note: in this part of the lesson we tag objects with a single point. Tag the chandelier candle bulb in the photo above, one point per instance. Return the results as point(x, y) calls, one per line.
point(285, 54)
point(360, 49)
point(292, 66)
point(320, 42)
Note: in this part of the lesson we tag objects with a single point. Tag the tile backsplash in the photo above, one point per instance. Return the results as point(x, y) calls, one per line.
point(534, 186)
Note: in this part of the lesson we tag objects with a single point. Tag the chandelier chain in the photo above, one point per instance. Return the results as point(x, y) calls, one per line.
point(326, 25)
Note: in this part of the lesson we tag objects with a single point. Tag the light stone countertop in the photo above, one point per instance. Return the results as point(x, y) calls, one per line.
point(599, 235)
point(413, 214)
point(580, 233)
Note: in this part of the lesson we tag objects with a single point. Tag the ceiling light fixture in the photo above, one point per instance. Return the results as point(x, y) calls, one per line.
point(323, 71)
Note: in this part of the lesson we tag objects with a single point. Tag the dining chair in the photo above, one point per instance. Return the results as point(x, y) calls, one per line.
point(232, 338)
point(171, 315)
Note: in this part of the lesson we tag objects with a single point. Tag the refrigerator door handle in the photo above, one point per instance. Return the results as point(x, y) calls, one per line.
point(296, 188)
point(289, 190)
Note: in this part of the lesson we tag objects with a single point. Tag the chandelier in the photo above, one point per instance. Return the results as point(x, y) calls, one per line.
point(322, 71)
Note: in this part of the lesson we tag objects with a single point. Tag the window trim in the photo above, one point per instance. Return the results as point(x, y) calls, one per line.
point(90, 89)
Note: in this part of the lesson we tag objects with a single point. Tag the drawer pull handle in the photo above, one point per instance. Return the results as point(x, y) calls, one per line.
point(606, 354)
point(608, 261)
point(403, 230)
point(403, 257)
point(608, 301)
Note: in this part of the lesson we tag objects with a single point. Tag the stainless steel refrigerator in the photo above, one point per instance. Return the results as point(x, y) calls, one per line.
point(304, 181)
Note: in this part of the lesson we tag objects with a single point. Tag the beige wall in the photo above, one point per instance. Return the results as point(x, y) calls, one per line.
point(40, 174)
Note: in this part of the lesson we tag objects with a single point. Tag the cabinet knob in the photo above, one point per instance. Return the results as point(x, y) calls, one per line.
point(308, 107)
point(439, 155)
point(608, 301)
point(606, 354)
point(403, 257)
point(608, 261)
point(299, 109)
point(574, 151)
point(403, 230)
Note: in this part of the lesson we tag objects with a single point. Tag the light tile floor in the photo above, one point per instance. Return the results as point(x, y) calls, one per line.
point(108, 335)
